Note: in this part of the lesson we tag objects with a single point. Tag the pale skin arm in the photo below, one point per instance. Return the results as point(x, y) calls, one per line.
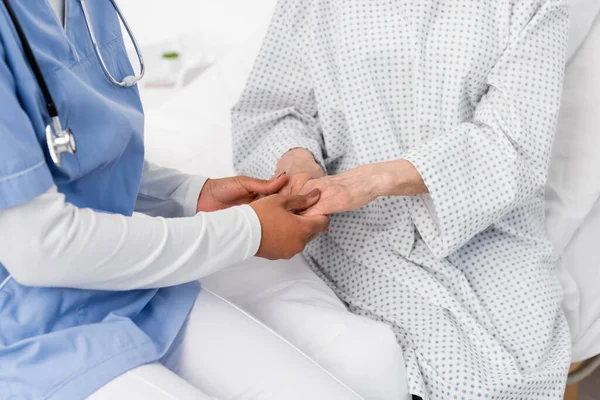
point(352, 189)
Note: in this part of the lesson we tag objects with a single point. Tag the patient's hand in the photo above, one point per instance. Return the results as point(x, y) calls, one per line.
point(344, 192)
point(300, 166)
point(359, 186)
point(296, 183)
point(218, 194)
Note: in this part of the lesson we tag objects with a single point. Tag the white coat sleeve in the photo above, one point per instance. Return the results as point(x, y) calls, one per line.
point(277, 111)
point(166, 192)
point(53, 243)
point(482, 169)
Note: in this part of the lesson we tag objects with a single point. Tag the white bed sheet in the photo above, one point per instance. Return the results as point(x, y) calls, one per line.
point(573, 196)
point(192, 133)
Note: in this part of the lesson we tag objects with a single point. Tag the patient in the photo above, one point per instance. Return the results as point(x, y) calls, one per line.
point(428, 126)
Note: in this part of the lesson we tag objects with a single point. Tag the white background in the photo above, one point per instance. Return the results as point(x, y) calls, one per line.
point(203, 31)
point(188, 127)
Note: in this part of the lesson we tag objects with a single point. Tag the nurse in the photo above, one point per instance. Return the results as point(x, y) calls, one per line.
point(96, 301)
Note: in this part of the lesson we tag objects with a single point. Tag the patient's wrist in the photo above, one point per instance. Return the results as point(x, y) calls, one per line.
point(297, 161)
point(399, 178)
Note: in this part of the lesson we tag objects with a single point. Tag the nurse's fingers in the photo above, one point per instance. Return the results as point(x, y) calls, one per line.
point(263, 187)
point(318, 223)
point(302, 202)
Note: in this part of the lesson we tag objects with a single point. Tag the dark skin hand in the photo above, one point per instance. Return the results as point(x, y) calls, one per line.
point(219, 194)
point(284, 232)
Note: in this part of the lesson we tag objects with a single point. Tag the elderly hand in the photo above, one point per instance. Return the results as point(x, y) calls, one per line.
point(218, 194)
point(358, 187)
point(300, 166)
point(347, 191)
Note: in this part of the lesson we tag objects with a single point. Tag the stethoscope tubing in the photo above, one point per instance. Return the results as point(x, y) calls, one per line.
point(37, 72)
point(129, 80)
point(61, 141)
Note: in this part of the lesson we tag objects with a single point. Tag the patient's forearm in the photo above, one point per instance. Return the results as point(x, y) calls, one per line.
point(390, 178)
point(359, 186)
point(397, 178)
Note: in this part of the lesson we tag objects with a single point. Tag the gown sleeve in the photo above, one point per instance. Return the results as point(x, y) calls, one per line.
point(277, 111)
point(480, 170)
point(24, 173)
point(166, 192)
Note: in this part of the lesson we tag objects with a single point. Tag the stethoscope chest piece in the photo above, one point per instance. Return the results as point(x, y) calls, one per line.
point(59, 141)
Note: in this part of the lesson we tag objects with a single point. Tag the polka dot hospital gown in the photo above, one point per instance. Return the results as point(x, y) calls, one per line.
point(469, 92)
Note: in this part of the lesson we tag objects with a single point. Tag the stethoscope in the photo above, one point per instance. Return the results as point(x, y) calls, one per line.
point(59, 140)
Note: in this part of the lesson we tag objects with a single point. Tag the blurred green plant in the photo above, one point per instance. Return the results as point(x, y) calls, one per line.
point(171, 56)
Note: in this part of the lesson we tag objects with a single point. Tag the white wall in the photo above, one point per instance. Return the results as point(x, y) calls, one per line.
point(213, 29)
point(223, 23)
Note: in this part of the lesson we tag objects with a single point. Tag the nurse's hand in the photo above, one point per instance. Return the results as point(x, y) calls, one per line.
point(218, 194)
point(284, 233)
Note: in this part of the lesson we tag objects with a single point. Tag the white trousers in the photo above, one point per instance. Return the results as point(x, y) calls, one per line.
point(289, 297)
point(223, 353)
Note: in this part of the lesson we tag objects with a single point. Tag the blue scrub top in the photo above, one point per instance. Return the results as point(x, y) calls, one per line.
point(67, 343)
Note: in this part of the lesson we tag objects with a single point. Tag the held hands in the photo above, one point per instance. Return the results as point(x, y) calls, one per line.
point(300, 198)
point(300, 166)
point(284, 232)
point(294, 169)
point(352, 189)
